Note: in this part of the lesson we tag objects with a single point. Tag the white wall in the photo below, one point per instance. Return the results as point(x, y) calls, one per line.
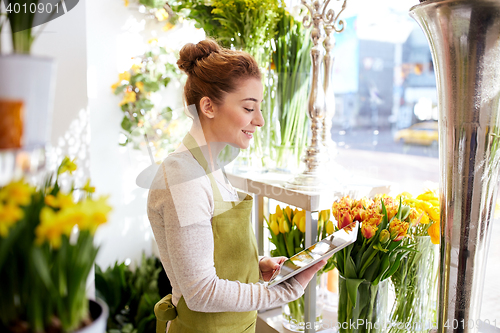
point(64, 40)
point(115, 34)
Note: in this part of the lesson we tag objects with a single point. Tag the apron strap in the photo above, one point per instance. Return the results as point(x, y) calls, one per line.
point(164, 311)
point(193, 147)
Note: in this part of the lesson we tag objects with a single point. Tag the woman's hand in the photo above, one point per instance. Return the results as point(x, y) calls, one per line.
point(269, 265)
point(304, 277)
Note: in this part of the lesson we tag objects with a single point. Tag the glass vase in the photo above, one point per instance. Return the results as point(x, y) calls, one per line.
point(368, 313)
point(415, 285)
point(287, 159)
point(293, 314)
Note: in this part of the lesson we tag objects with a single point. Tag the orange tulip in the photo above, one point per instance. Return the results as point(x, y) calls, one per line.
point(344, 219)
point(368, 230)
point(398, 229)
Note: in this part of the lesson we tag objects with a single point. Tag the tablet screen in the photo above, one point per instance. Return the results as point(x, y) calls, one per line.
point(313, 254)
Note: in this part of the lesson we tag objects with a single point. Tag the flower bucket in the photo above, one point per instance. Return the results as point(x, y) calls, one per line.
point(369, 313)
point(99, 312)
point(415, 283)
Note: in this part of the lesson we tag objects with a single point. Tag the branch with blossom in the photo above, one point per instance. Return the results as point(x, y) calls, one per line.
point(144, 114)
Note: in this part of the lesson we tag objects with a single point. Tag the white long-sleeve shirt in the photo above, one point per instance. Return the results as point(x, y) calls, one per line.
point(180, 209)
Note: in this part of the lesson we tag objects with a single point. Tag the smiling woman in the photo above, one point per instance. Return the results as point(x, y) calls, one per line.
point(200, 222)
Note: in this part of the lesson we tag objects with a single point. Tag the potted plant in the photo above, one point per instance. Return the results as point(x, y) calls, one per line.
point(46, 254)
point(26, 78)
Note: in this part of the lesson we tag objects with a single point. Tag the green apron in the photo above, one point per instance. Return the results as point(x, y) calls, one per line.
point(235, 258)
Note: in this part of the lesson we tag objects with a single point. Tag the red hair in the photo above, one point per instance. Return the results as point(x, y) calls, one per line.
point(213, 71)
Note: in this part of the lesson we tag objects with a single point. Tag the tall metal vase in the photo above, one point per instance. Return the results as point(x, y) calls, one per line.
point(464, 36)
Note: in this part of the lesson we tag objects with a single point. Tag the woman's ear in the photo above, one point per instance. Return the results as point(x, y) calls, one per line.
point(206, 107)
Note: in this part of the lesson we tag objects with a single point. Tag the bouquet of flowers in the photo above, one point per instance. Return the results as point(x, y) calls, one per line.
point(243, 24)
point(47, 252)
point(287, 228)
point(373, 258)
point(415, 281)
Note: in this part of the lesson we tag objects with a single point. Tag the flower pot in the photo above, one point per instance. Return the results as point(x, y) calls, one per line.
point(370, 312)
point(415, 284)
point(30, 80)
point(99, 312)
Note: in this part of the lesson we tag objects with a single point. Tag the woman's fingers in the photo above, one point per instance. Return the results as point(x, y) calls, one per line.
point(304, 277)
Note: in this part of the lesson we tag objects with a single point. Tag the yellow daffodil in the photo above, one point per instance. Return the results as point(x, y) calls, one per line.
point(53, 225)
point(61, 200)
point(129, 97)
point(274, 225)
point(329, 228)
point(17, 193)
point(67, 165)
point(125, 76)
point(140, 86)
point(96, 212)
point(433, 231)
point(9, 215)
point(161, 14)
point(87, 188)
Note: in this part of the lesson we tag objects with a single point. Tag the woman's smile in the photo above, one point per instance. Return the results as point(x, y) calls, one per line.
point(248, 134)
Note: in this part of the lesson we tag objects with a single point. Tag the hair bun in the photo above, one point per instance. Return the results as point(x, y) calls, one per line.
point(190, 54)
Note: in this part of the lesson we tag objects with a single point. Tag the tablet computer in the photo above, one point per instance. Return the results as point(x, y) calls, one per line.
point(313, 254)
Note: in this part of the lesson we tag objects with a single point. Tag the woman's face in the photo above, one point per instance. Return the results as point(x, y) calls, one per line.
point(237, 118)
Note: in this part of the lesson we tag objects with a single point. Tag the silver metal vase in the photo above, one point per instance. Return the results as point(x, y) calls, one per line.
point(464, 36)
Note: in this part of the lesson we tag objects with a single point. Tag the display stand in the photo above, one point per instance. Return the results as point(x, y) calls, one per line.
point(271, 186)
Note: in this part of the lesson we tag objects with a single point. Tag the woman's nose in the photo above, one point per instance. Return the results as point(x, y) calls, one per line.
point(258, 120)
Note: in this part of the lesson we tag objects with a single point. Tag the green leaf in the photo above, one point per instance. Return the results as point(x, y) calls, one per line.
point(394, 266)
point(40, 263)
point(372, 269)
point(126, 124)
point(352, 289)
point(384, 266)
point(350, 272)
point(120, 89)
